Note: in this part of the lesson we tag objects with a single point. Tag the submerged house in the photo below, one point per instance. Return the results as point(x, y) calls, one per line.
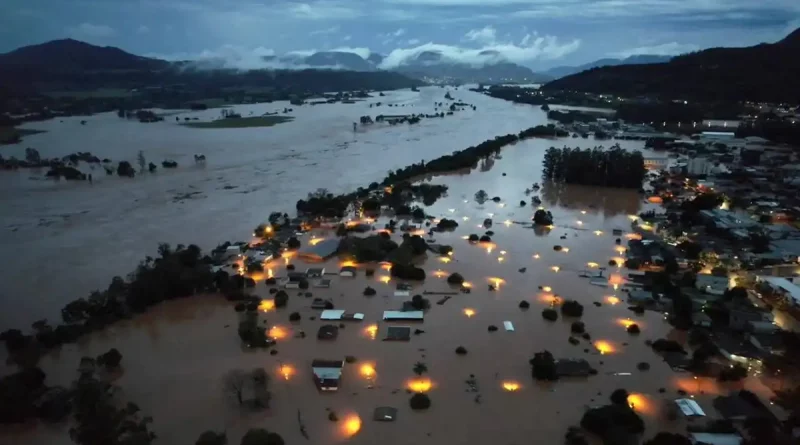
point(712, 284)
point(320, 251)
point(327, 374)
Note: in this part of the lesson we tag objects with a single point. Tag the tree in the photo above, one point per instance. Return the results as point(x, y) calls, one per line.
point(260, 436)
point(140, 159)
point(420, 368)
point(737, 293)
point(212, 438)
point(620, 397)
point(32, 155)
point(572, 308)
point(281, 298)
point(234, 383)
point(110, 359)
point(419, 401)
point(543, 366)
point(669, 439)
point(542, 218)
point(260, 381)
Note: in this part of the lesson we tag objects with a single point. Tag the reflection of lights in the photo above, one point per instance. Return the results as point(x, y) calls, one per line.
point(604, 347)
point(466, 218)
point(640, 403)
point(469, 312)
point(565, 249)
point(385, 279)
point(466, 284)
point(502, 204)
point(439, 273)
point(491, 215)
point(633, 236)
point(625, 322)
point(535, 256)
point(612, 300)
point(418, 232)
point(489, 249)
point(547, 289)
point(620, 249)
point(550, 299)
point(419, 385)
point(496, 281)
point(511, 386)
point(277, 332)
point(500, 259)
point(266, 305)
point(445, 259)
point(502, 252)
point(619, 260)
point(450, 253)
point(367, 370)
point(507, 222)
point(351, 425)
point(270, 274)
point(315, 241)
point(592, 264)
point(287, 371)
point(555, 268)
point(598, 232)
point(580, 223)
point(633, 217)
point(451, 210)
point(372, 330)
point(386, 266)
point(465, 237)
point(615, 286)
point(583, 212)
point(550, 227)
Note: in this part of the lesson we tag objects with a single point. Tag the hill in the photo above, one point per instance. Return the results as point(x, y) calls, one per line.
point(494, 69)
point(765, 72)
point(342, 60)
point(562, 71)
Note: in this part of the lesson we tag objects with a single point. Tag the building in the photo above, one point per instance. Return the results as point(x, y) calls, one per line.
point(573, 368)
point(715, 439)
point(689, 408)
point(320, 251)
point(698, 166)
point(780, 287)
point(403, 315)
point(741, 317)
point(742, 405)
point(327, 374)
point(347, 271)
point(712, 284)
point(656, 162)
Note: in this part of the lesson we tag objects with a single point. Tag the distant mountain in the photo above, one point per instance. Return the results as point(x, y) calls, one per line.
point(340, 59)
point(765, 72)
point(561, 71)
point(494, 69)
point(72, 55)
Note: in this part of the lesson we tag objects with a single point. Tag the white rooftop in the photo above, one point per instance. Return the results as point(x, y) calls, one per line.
point(400, 315)
point(690, 408)
point(790, 288)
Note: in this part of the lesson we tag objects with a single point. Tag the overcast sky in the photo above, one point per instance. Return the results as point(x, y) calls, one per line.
point(537, 33)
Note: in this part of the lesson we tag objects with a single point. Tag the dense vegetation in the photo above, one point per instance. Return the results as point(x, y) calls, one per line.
point(536, 97)
point(765, 72)
point(609, 168)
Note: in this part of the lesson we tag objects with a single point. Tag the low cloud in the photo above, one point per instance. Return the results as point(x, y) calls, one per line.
point(143, 29)
point(235, 57)
point(664, 49)
point(486, 35)
point(532, 47)
point(91, 30)
point(362, 52)
point(413, 42)
point(326, 31)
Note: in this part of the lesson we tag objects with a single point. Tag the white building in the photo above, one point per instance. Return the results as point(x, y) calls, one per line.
point(698, 166)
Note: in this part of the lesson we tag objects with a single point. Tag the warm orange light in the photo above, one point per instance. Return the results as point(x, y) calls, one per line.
point(612, 300)
point(604, 347)
point(547, 289)
point(555, 268)
point(268, 229)
point(266, 305)
point(632, 236)
point(500, 259)
point(641, 403)
point(550, 299)
point(270, 274)
point(439, 273)
point(351, 425)
point(367, 370)
point(348, 263)
point(496, 281)
point(418, 232)
point(625, 322)
point(315, 241)
point(615, 279)
point(372, 330)
point(565, 249)
point(386, 266)
point(466, 284)
point(287, 371)
point(420, 385)
point(620, 249)
point(277, 332)
point(445, 259)
point(511, 386)
point(286, 260)
point(619, 260)
point(469, 312)
point(385, 279)
point(592, 264)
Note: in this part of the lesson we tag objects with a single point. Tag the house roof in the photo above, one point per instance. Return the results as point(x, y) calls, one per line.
point(787, 286)
point(384, 414)
point(398, 333)
point(320, 251)
point(742, 404)
point(400, 315)
point(328, 332)
point(690, 408)
point(572, 367)
point(715, 439)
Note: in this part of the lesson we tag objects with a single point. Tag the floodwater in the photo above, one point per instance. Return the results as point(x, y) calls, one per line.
point(175, 355)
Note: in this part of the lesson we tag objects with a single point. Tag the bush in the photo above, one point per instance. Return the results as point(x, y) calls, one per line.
point(524, 304)
point(620, 397)
point(240, 307)
point(419, 303)
point(446, 224)
point(110, 359)
point(550, 314)
point(732, 374)
point(577, 327)
point(610, 421)
point(419, 401)
point(294, 316)
point(461, 350)
point(485, 239)
point(542, 218)
point(281, 298)
point(571, 308)
point(303, 284)
point(259, 436)
point(492, 328)
point(643, 366)
point(558, 248)
point(633, 329)
point(293, 243)
point(368, 291)
point(543, 366)
point(407, 272)
point(612, 263)
point(418, 213)
point(473, 238)
point(271, 281)
point(455, 278)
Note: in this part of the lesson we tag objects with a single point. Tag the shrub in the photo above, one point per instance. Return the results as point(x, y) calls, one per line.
point(619, 397)
point(294, 316)
point(524, 304)
point(293, 243)
point(572, 308)
point(407, 272)
point(368, 291)
point(558, 248)
point(550, 314)
point(291, 267)
point(578, 327)
point(485, 239)
point(473, 238)
point(461, 350)
point(271, 281)
point(281, 298)
point(543, 366)
point(455, 278)
point(110, 359)
point(633, 329)
point(612, 263)
point(446, 224)
point(542, 218)
point(419, 401)
point(303, 284)
point(643, 366)
point(419, 303)
point(492, 328)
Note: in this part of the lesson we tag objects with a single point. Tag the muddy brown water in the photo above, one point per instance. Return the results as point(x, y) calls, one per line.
point(176, 354)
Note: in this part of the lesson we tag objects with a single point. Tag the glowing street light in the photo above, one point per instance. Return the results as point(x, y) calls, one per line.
point(469, 312)
point(511, 386)
point(372, 331)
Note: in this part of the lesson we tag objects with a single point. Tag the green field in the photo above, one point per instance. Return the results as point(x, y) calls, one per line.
point(242, 122)
point(11, 135)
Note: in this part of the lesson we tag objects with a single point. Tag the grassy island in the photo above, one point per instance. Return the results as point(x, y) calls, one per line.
point(242, 122)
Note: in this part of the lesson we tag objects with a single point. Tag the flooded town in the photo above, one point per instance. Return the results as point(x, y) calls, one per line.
point(453, 300)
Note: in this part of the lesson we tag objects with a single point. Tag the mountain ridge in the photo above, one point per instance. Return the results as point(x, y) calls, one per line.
point(563, 71)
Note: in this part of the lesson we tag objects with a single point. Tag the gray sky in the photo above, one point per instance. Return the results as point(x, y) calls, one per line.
point(536, 33)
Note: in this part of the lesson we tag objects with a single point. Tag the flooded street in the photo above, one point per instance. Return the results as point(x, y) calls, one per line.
point(176, 354)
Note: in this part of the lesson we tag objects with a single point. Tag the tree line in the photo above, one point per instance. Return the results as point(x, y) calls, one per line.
point(614, 167)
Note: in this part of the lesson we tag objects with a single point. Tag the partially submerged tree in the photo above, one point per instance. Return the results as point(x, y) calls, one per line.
point(212, 438)
point(234, 383)
point(260, 436)
point(420, 368)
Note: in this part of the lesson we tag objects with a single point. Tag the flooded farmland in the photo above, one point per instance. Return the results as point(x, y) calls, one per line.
point(66, 239)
